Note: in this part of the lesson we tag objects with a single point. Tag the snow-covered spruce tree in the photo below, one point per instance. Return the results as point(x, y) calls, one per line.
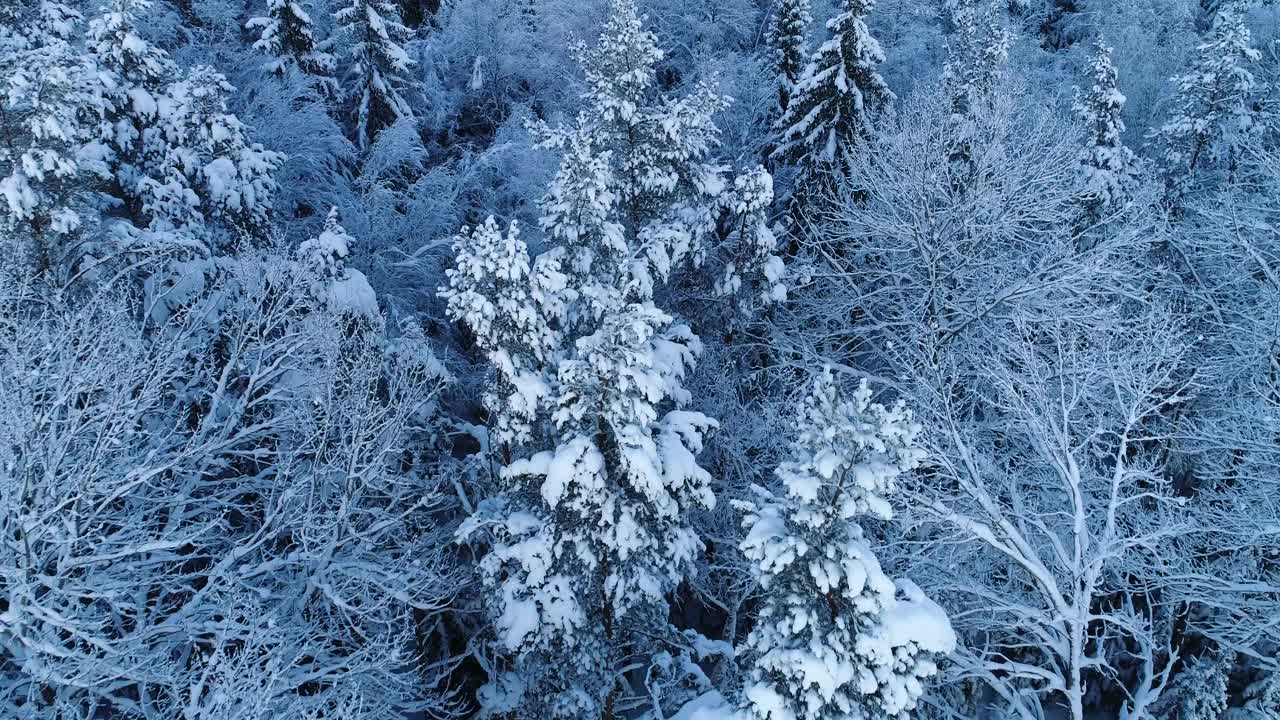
point(136, 75)
point(788, 37)
point(377, 73)
point(620, 485)
point(202, 152)
point(977, 52)
point(1212, 108)
point(286, 35)
point(327, 253)
point(657, 148)
point(638, 191)
point(835, 101)
point(1109, 166)
point(44, 94)
point(174, 156)
point(752, 244)
point(579, 214)
point(513, 306)
point(1199, 692)
point(832, 639)
point(590, 536)
point(591, 530)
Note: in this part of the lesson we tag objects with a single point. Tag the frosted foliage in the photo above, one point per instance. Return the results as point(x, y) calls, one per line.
point(237, 484)
point(377, 76)
point(580, 213)
point(511, 304)
point(327, 253)
point(112, 483)
point(1212, 111)
point(835, 101)
point(637, 192)
point(833, 638)
point(593, 534)
point(632, 508)
point(43, 94)
point(1202, 692)
point(1110, 168)
point(202, 169)
point(116, 44)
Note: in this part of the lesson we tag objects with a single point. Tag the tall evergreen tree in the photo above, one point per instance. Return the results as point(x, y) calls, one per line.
point(656, 148)
point(286, 35)
point(1212, 110)
point(1109, 166)
point(377, 75)
point(593, 529)
point(832, 640)
point(138, 73)
point(835, 101)
point(753, 244)
point(789, 38)
point(977, 50)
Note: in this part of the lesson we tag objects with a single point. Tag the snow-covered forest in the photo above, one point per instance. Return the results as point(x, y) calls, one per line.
point(639, 359)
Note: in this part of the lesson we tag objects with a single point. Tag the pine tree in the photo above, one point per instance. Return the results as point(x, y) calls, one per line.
point(285, 34)
point(45, 99)
point(835, 102)
point(1212, 109)
point(595, 532)
point(788, 36)
point(580, 213)
point(1203, 692)
point(138, 74)
point(206, 153)
point(832, 639)
point(326, 254)
point(1109, 166)
point(378, 67)
point(592, 529)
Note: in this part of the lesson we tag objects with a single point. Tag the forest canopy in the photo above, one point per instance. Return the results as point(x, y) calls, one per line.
point(639, 359)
